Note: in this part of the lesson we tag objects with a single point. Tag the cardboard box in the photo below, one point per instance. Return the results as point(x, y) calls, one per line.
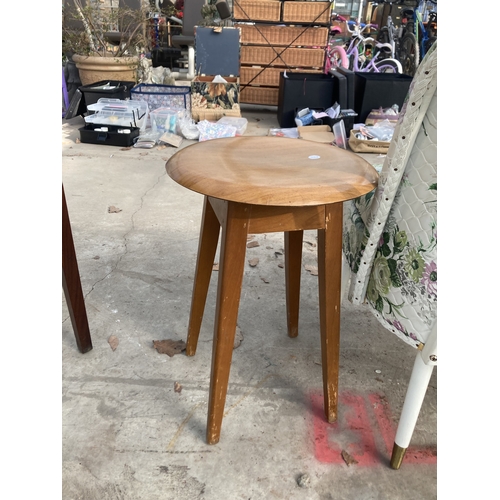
point(366, 146)
point(213, 115)
point(317, 133)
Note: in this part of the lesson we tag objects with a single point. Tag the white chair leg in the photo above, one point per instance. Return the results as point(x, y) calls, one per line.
point(190, 74)
point(346, 277)
point(415, 394)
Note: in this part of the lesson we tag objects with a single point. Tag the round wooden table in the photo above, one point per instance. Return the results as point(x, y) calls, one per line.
point(264, 185)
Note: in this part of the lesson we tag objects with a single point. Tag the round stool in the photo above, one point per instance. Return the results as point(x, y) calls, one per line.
point(265, 185)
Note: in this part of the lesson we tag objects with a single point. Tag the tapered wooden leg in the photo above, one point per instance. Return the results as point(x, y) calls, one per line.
point(329, 281)
point(72, 285)
point(293, 263)
point(231, 264)
point(207, 247)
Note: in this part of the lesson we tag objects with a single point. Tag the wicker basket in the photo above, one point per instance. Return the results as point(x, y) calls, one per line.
point(257, 10)
point(283, 35)
point(265, 76)
point(298, 58)
point(259, 95)
point(306, 12)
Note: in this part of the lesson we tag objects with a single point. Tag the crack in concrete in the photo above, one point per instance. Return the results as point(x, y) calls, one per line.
point(125, 241)
point(125, 236)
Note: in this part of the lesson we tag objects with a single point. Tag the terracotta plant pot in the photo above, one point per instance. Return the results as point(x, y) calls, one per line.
point(96, 68)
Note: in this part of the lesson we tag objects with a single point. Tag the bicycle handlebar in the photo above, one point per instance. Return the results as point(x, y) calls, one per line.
point(363, 26)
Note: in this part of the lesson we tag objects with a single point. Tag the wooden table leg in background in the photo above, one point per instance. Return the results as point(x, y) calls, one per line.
point(293, 266)
point(329, 282)
point(207, 248)
point(72, 285)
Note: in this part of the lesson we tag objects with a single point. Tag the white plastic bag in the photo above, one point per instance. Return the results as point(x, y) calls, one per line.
point(209, 130)
point(186, 127)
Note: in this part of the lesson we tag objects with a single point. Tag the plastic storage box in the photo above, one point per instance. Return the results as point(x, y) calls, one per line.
point(106, 89)
point(350, 84)
point(110, 135)
point(162, 96)
point(240, 124)
point(303, 90)
point(119, 113)
point(375, 90)
point(165, 120)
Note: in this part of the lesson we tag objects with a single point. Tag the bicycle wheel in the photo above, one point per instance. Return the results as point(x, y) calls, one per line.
point(352, 65)
point(383, 35)
point(388, 66)
point(409, 54)
point(338, 58)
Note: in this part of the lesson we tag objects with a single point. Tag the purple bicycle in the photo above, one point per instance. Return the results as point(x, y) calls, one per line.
point(363, 53)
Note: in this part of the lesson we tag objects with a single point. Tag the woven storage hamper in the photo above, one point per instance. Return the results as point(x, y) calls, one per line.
point(259, 95)
point(283, 35)
point(257, 10)
point(307, 58)
point(306, 12)
point(265, 76)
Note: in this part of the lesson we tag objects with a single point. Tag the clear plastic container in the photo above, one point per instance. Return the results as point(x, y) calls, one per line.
point(165, 119)
point(339, 133)
point(240, 124)
point(119, 112)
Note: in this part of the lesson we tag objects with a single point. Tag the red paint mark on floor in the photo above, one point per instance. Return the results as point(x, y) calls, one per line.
point(361, 419)
point(352, 431)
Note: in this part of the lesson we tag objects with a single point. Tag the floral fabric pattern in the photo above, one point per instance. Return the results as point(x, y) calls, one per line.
point(404, 275)
point(401, 284)
point(211, 95)
point(162, 96)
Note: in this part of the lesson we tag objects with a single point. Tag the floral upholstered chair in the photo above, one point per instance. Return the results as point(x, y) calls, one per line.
point(390, 241)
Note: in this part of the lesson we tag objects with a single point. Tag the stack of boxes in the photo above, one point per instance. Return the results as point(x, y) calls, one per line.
point(295, 42)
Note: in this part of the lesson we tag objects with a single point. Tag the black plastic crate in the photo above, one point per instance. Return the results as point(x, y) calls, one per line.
point(379, 90)
point(303, 90)
point(93, 92)
point(349, 75)
point(112, 137)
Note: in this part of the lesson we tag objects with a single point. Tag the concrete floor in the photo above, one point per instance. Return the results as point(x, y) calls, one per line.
point(129, 434)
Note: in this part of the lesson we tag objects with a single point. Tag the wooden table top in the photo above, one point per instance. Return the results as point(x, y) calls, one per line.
point(274, 171)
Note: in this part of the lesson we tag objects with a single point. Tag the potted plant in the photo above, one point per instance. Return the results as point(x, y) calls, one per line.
point(103, 39)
